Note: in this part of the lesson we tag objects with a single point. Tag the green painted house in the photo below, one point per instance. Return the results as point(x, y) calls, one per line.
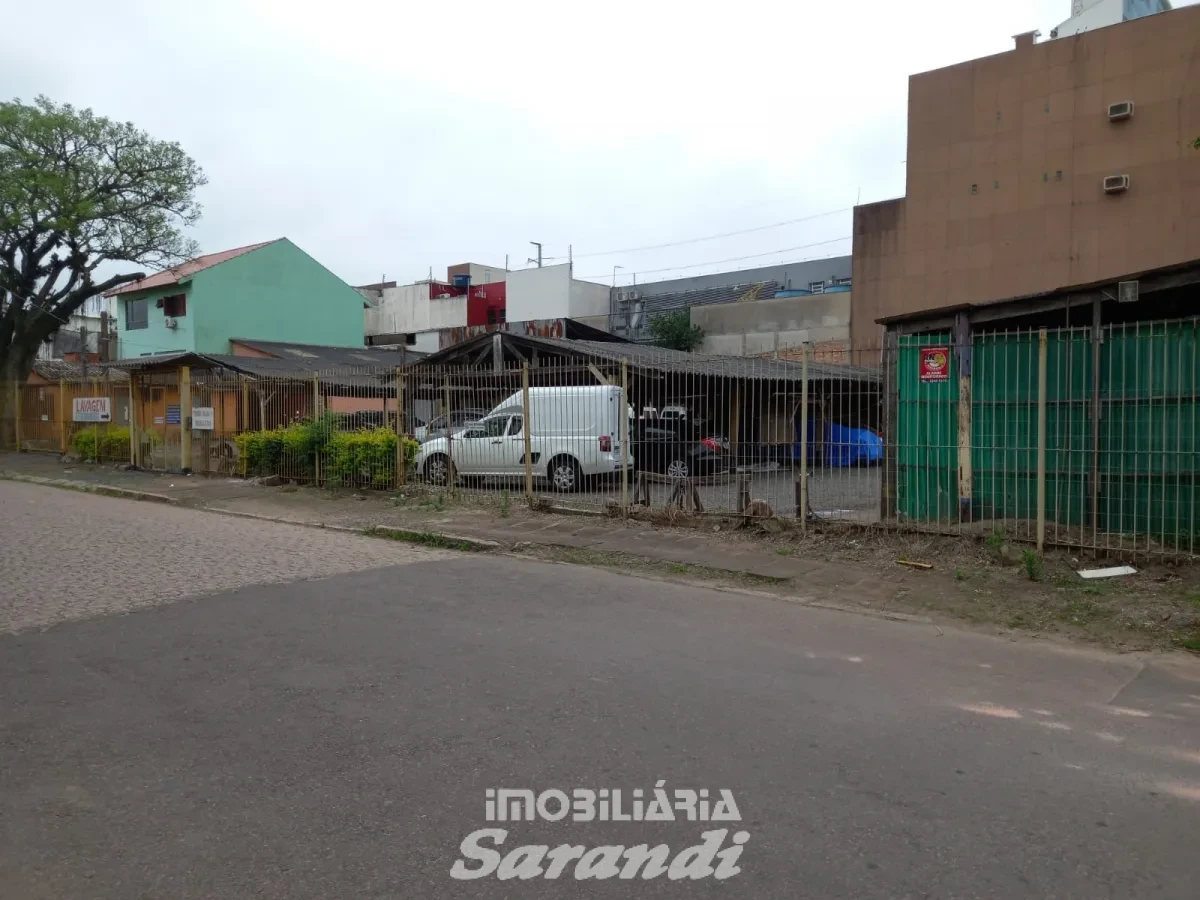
point(272, 291)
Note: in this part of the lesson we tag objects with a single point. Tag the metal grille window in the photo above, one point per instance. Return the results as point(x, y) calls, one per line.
point(817, 287)
point(137, 314)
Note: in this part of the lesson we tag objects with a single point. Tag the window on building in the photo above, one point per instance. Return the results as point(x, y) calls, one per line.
point(137, 314)
point(491, 315)
point(502, 316)
point(845, 282)
point(817, 287)
point(410, 340)
point(175, 306)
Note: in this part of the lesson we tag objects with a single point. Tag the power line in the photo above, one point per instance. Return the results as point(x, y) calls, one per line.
point(713, 237)
point(717, 262)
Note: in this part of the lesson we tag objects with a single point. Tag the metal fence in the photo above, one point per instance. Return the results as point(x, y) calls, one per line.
point(1077, 438)
point(1074, 437)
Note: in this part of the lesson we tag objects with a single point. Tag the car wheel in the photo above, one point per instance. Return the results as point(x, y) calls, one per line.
point(564, 474)
point(438, 469)
point(678, 468)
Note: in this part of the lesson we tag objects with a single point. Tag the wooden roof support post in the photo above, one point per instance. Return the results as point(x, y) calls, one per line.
point(962, 356)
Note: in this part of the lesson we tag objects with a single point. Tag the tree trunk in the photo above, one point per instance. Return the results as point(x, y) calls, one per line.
point(15, 366)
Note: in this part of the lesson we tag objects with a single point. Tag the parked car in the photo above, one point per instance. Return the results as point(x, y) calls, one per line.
point(575, 436)
point(436, 427)
point(678, 450)
point(840, 445)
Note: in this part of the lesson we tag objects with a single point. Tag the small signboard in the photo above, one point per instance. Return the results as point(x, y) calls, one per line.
point(935, 363)
point(91, 409)
point(202, 418)
point(173, 415)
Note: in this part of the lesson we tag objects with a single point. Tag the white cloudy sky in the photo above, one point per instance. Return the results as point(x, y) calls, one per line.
point(386, 138)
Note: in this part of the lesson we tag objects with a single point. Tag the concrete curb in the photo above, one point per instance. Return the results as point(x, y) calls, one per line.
point(106, 490)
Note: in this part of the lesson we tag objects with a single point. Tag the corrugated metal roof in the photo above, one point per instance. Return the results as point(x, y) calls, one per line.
point(650, 358)
point(185, 270)
point(54, 369)
point(322, 356)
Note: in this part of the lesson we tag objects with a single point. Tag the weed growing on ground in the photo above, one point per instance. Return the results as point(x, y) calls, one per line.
point(995, 541)
point(959, 575)
point(678, 569)
point(1034, 567)
point(505, 505)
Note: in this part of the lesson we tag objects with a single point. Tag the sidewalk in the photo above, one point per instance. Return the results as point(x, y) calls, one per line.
point(718, 550)
point(1159, 608)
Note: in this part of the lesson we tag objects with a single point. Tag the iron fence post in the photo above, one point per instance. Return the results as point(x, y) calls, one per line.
point(1041, 442)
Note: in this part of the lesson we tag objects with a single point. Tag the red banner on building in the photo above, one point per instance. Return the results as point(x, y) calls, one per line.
point(935, 363)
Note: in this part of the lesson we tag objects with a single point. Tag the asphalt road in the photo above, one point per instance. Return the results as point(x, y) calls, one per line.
point(334, 736)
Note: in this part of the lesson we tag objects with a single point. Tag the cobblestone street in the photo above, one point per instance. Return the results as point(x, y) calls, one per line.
point(66, 555)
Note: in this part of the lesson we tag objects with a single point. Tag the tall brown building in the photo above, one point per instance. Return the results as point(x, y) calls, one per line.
point(1007, 161)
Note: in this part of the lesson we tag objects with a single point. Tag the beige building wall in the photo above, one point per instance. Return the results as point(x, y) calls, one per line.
point(759, 327)
point(1006, 158)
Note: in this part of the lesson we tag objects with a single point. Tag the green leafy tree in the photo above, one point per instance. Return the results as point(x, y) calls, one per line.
point(85, 204)
point(675, 331)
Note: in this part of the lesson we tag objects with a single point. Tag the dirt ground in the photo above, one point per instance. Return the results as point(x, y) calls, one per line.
point(988, 583)
point(974, 580)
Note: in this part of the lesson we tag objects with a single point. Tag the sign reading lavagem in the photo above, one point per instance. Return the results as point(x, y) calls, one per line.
point(91, 409)
point(202, 418)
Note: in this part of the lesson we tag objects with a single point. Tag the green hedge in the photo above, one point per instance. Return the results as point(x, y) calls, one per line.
point(363, 457)
point(366, 457)
point(94, 442)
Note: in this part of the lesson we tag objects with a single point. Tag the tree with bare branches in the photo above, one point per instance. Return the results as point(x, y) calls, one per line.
point(85, 204)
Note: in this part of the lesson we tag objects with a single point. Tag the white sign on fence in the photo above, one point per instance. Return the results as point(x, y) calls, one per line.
point(91, 409)
point(202, 418)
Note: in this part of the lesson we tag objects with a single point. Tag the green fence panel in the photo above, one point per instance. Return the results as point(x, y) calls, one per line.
point(926, 451)
point(1149, 452)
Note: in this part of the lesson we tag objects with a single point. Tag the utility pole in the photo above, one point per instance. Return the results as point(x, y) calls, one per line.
point(83, 348)
point(615, 274)
point(539, 256)
point(105, 354)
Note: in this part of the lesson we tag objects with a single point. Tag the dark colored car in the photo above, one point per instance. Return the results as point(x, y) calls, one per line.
point(676, 449)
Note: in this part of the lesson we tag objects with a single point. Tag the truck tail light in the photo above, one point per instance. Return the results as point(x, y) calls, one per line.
point(712, 443)
point(605, 443)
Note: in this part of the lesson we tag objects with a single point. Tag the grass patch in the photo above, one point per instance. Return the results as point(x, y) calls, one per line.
point(1192, 643)
point(1083, 612)
point(959, 574)
point(784, 551)
point(505, 505)
point(1035, 569)
point(677, 568)
point(423, 538)
point(996, 541)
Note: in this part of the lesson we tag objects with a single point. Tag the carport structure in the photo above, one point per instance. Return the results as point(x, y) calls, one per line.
point(755, 402)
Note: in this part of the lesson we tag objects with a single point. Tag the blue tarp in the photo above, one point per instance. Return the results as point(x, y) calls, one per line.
point(841, 445)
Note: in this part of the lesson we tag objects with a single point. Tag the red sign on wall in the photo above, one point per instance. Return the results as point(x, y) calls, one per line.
point(935, 363)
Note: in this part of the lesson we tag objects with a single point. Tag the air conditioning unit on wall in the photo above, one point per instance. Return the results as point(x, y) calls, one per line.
point(1127, 291)
point(1115, 184)
point(1119, 111)
point(171, 322)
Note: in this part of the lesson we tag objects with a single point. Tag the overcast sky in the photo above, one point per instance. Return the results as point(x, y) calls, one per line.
point(388, 138)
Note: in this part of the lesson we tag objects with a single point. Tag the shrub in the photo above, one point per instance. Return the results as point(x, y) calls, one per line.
point(1034, 569)
point(98, 443)
point(366, 457)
